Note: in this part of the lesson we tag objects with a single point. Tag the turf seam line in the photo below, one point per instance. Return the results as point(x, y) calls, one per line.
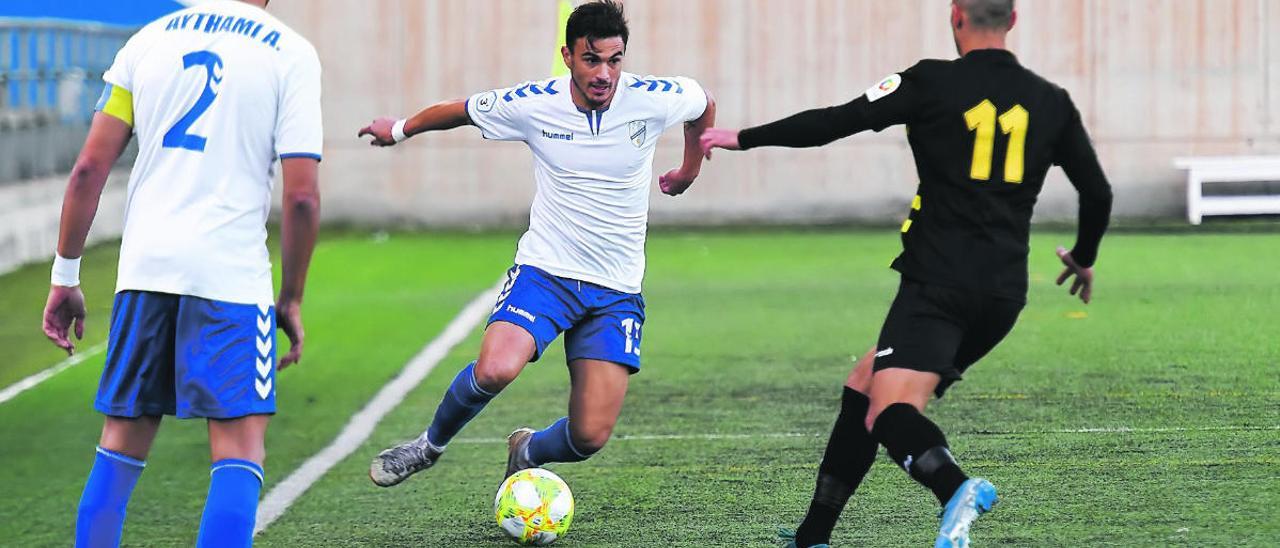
point(28, 383)
point(362, 424)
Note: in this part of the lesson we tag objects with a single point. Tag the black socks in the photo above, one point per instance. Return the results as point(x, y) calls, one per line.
point(850, 452)
point(920, 448)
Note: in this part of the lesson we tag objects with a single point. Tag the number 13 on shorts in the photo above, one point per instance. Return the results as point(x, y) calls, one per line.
point(631, 327)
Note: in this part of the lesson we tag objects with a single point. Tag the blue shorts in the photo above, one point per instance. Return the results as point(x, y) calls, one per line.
point(598, 323)
point(189, 357)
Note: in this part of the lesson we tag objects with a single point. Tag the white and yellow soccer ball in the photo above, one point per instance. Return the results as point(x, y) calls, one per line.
point(534, 507)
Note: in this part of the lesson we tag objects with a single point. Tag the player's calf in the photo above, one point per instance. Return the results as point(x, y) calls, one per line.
point(100, 516)
point(237, 446)
point(232, 504)
point(555, 443)
point(120, 459)
point(849, 455)
point(920, 448)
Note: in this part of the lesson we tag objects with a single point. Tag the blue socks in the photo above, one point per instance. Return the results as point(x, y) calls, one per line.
point(228, 513)
point(461, 403)
point(100, 517)
point(232, 506)
point(554, 444)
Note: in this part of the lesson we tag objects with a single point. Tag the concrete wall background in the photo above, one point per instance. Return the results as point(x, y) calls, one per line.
point(1155, 79)
point(31, 210)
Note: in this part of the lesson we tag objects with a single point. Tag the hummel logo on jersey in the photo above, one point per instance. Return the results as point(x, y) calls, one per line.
point(506, 288)
point(557, 136)
point(264, 345)
point(263, 388)
point(264, 367)
point(667, 85)
point(885, 352)
point(525, 89)
point(521, 313)
point(262, 383)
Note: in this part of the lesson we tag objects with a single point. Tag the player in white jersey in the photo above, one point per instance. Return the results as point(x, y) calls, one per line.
point(215, 94)
point(579, 267)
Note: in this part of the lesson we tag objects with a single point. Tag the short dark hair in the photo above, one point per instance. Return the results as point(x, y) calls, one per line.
point(596, 20)
point(988, 14)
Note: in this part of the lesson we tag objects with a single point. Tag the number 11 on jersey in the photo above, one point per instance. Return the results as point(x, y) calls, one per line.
point(982, 120)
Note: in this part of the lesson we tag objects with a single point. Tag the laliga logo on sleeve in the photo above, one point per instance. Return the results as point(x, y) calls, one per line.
point(485, 104)
point(889, 85)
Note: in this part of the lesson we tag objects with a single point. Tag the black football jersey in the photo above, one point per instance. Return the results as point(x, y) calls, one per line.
point(984, 131)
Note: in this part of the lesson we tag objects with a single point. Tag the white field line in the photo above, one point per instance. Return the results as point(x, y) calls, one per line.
point(363, 422)
point(28, 383)
point(780, 435)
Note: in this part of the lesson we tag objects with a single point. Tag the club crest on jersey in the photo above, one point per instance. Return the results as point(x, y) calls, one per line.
point(886, 86)
point(637, 130)
point(485, 103)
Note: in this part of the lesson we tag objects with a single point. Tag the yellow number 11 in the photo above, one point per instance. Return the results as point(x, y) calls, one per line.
point(982, 119)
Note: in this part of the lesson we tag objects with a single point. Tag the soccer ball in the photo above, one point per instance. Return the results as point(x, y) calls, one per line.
point(534, 507)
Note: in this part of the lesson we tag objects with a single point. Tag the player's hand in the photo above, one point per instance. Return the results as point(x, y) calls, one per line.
point(675, 182)
point(289, 318)
point(380, 130)
point(1083, 283)
point(715, 137)
point(64, 309)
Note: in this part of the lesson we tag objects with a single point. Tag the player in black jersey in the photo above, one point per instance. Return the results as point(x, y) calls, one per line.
point(984, 131)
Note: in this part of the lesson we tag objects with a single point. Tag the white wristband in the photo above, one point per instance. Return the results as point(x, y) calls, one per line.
point(66, 272)
point(397, 130)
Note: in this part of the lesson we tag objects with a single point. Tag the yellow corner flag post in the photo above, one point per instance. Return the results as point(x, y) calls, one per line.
point(557, 64)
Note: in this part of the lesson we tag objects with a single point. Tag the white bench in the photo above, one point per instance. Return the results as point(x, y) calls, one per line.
point(1229, 169)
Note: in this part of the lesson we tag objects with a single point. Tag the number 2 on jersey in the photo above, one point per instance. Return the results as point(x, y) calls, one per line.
point(177, 136)
point(982, 120)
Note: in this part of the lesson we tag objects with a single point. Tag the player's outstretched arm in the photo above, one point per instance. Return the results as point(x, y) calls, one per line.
point(811, 128)
point(678, 180)
point(107, 138)
point(438, 117)
point(301, 225)
point(895, 100)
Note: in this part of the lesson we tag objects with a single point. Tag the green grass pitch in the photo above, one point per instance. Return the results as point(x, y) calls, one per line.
point(1151, 417)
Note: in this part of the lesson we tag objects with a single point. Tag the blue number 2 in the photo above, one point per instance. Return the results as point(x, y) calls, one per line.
point(177, 136)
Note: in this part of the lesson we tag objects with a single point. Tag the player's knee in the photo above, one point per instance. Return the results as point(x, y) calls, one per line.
point(876, 410)
point(872, 414)
point(494, 375)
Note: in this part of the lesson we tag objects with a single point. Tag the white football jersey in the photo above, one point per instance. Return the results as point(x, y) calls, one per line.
point(592, 169)
point(219, 91)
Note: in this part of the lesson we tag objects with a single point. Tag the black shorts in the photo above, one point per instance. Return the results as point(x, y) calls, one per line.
point(942, 330)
